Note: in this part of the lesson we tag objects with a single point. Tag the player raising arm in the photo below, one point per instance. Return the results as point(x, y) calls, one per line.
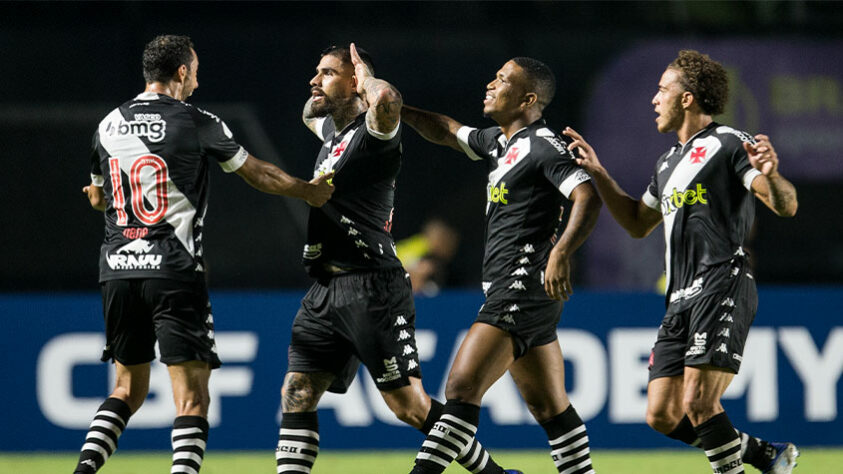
point(702, 191)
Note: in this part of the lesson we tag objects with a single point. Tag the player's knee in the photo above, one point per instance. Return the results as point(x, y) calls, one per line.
point(298, 397)
point(462, 387)
point(661, 420)
point(194, 403)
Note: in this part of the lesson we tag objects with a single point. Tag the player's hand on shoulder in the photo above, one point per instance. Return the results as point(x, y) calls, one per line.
point(584, 154)
point(762, 156)
point(321, 190)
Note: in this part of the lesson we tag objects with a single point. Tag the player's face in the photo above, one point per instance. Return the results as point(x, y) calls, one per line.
point(191, 82)
point(332, 86)
point(668, 102)
point(505, 94)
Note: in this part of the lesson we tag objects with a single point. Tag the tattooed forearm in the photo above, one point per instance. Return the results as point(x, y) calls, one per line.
point(782, 196)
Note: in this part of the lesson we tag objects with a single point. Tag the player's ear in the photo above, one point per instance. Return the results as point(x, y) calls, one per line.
point(530, 99)
point(182, 73)
point(688, 99)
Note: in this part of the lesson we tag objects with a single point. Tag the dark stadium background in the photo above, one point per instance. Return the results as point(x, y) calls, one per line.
point(65, 65)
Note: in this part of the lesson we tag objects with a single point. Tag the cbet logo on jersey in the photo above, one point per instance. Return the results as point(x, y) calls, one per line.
point(134, 256)
point(674, 201)
point(149, 126)
point(498, 193)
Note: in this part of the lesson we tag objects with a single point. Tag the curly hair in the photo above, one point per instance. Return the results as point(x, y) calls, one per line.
point(163, 56)
point(705, 78)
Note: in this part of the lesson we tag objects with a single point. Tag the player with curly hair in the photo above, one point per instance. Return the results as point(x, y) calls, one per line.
point(702, 189)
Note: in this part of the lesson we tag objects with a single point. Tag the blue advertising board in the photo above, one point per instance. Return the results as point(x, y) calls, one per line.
point(788, 387)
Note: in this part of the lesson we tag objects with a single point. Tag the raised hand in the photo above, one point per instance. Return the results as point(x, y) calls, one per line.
point(361, 70)
point(321, 190)
point(583, 152)
point(762, 156)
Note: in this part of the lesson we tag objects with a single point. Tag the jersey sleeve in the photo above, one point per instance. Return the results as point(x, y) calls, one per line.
point(558, 165)
point(651, 195)
point(477, 143)
point(740, 163)
point(384, 137)
point(218, 142)
point(97, 178)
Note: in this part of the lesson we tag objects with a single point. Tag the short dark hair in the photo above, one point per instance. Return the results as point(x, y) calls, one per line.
point(540, 79)
point(344, 55)
point(163, 56)
point(705, 78)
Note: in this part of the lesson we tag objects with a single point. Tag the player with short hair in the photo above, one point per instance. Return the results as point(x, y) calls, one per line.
point(526, 269)
point(149, 174)
point(702, 190)
point(360, 309)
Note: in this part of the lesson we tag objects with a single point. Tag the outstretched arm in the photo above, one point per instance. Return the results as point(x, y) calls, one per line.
point(433, 127)
point(383, 98)
point(770, 187)
point(584, 212)
point(271, 179)
point(633, 215)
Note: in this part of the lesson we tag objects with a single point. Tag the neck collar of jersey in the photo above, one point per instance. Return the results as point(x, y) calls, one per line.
point(538, 123)
point(148, 95)
point(704, 129)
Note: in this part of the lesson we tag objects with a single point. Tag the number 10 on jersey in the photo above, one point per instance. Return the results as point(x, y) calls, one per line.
point(148, 178)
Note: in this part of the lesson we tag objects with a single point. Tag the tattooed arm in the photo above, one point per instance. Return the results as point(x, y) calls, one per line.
point(310, 120)
point(433, 127)
point(770, 187)
point(383, 98)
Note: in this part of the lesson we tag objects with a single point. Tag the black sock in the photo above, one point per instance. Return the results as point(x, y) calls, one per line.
point(474, 457)
point(190, 437)
point(101, 441)
point(568, 442)
point(298, 443)
point(449, 437)
point(721, 443)
point(685, 432)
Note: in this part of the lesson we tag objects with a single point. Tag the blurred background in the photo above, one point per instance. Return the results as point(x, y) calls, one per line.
point(67, 64)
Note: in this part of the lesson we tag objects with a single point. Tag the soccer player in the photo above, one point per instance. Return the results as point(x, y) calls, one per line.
point(360, 309)
point(149, 173)
point(526, 269)
point(702, 190)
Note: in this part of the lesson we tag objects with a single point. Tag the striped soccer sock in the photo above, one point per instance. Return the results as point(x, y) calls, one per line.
point(101, 440)
point(753, 450)
point(298, 443)
point(474, 458)
point(449, 437)
point(190, 435)
point(722, 444)
point(568, 442)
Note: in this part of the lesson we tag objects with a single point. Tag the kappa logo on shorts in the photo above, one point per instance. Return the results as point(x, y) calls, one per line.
point(513, 308)
point(412, 364)
point(724, 332)
point(408, 349)
point(507, 318)
point(518, 285)
point(400, 320)
point(521, 271)
point(403, 335)
point(728, 302)
point(392, 373)
point(727, 317)
point(722, 348)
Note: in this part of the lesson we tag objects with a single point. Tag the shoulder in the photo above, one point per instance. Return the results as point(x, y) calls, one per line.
point(732, 137)
point(546, 142)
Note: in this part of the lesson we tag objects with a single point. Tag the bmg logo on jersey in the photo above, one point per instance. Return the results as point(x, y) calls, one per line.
point(498, 193)
point(674, 201)
point(142, 126)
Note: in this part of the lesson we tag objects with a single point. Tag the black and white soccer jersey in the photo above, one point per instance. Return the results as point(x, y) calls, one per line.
point(150, 155)
point(352, 231)
point(530, 175)
point(702, 189)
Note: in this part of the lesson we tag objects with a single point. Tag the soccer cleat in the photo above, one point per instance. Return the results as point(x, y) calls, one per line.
point(784, 460)
point(512, 471)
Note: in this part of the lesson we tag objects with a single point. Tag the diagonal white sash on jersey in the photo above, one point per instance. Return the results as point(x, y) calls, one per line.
point(680, 178)
point(127, 148)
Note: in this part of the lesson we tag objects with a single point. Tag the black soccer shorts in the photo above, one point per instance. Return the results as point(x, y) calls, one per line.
point(366, 317)
point(532, 322)
point(175, 313)
point(711, 331)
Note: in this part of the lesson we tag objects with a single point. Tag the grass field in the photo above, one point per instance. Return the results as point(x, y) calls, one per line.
point(812, 461)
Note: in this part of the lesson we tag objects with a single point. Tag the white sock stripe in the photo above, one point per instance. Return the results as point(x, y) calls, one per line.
point(462, 423)
point(297, 432)
point(281, 456)
point(197, 458)
point(298, 444)
point(483, 463)
point(97, 448)
point(433, 458)
point(183, 468)
point(186, 431)
point(181, 443)
point(108, 440)
point(725, 447)
point(726, 460)
point(107, 425)
point(577, 467)
point(449, 433)
point(292, 467)
point(568, 435)
point(438, 447)
point(566, 459)
point(112, 415)
point(474, 456)
point(566, 449)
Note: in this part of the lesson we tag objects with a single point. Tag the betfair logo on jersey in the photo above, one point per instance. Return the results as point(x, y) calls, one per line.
point(498, 193)
point(152, 130)
point(674, 201)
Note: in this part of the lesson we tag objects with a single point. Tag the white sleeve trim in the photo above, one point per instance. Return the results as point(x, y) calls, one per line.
point(317, 128)
point(97, 180)
point(235, 162)
point(651, 201)
point(383, 136)
point(748, 177)
point(462, 139)
point(572, 181)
